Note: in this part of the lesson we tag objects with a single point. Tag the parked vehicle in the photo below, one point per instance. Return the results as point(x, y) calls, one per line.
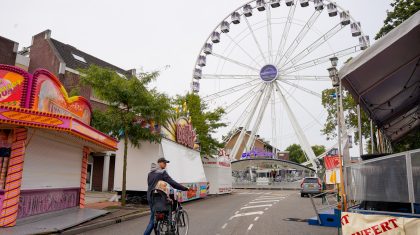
point(310, 185)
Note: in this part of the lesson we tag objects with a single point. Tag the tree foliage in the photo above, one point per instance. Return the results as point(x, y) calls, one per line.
point(129, 103)
point(296, 153)
point(329, 101)
point(402, 10)
point(204, 121)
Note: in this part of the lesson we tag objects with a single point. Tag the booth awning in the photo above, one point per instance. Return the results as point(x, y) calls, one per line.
point(61, 123)
point(385, 79)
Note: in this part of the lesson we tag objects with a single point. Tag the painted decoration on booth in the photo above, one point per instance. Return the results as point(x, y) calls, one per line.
point(181, 131)
point(51, 97)
point(13, 86)
point(198, 190)
point(360, 224)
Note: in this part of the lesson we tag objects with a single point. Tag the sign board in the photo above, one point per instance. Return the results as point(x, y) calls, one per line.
point(257, 153)
point(51, 97)
point(361, 224)
point(13, 86)
point(181, 131)
point(333, 176)
point(332, 162)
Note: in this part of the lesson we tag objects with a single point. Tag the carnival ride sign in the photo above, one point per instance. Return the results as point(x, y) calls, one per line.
point(257, 152)
point(181, 131)
point(185, 134)
point(51, 97)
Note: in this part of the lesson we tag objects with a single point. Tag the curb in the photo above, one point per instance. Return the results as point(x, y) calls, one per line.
point(104, 223)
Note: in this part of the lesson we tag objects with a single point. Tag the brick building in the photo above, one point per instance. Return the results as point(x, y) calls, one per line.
point(259, 144)
point(64, 60)
point(8, 51)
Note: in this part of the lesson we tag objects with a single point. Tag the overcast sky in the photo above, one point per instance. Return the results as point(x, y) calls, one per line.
point(144, 34)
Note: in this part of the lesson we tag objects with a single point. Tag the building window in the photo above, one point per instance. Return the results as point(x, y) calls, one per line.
point(79, 58)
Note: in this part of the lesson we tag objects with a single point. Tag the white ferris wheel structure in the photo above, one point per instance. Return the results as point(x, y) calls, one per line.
point(266, 64)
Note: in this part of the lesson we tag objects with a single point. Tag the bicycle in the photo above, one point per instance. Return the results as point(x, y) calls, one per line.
point(174, 221)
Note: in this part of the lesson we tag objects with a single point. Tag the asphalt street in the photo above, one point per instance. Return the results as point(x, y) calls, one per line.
point(262, 212)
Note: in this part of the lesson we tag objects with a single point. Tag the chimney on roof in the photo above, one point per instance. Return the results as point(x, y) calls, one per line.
point(132, 72)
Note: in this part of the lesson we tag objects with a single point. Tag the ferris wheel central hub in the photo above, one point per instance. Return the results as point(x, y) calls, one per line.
point(269, 73)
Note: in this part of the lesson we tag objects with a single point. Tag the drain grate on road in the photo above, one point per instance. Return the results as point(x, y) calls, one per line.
point(296, 220)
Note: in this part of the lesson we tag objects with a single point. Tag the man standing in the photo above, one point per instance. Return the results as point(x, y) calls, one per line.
point(156, 174)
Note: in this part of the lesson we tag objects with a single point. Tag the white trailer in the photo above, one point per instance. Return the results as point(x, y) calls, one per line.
point(185, 167)
point(219, 174)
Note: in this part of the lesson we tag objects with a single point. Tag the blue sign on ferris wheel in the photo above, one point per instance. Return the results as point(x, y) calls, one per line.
point(268, 73)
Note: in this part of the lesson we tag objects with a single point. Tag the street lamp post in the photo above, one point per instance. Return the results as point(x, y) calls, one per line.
point(336, 82)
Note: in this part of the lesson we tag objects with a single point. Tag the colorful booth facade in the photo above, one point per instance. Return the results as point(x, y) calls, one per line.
point(45, 140)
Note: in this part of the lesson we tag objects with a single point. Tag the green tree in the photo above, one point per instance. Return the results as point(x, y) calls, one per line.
point(204, 121)
point(350, 110)
point(402, 10)
point(318, 149)
point(296, 153)
point(129, 102)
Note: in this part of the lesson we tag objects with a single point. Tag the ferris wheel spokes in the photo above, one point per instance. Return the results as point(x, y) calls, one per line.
point(230, 90)
point(304, 78)
point(305, 109)
point(229, 76)
point(309, 49)
point(240, 139)
point(309, 153)
point(257, 123)
point(243, 50)
point(286, 30)
point(255, 39)
point(269, 35)
point(302, 88)
point(243, 98)
point(320, 60)
point(243, 116)
point(235, 62)
point(305, 29)
point(273, 120)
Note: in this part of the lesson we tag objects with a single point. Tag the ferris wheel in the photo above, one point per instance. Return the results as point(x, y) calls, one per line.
point(275, 53)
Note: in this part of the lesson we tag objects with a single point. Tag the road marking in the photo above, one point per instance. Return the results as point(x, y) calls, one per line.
point(264, 201)
point(247, 214)
point(269, 198)
point(256, 218)
point(236, 212)
point(266, 209)
point(249, 207)
point(250, 226)
point(224, 226)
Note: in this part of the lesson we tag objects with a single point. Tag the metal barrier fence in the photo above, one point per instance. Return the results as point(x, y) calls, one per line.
point(393, 178)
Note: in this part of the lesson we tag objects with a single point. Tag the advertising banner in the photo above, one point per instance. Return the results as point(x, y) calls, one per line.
point(331, 162)
point(332, 176)
point(360, 224)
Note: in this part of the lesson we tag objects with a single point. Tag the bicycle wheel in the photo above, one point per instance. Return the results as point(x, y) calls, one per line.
point(182, 223)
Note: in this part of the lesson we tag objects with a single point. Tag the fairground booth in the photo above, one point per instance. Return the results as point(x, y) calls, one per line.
point(45, 140)
point(179, 146)
point(383, 189)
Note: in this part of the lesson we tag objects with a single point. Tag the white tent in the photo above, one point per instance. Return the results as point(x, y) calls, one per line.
point(385, 79)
